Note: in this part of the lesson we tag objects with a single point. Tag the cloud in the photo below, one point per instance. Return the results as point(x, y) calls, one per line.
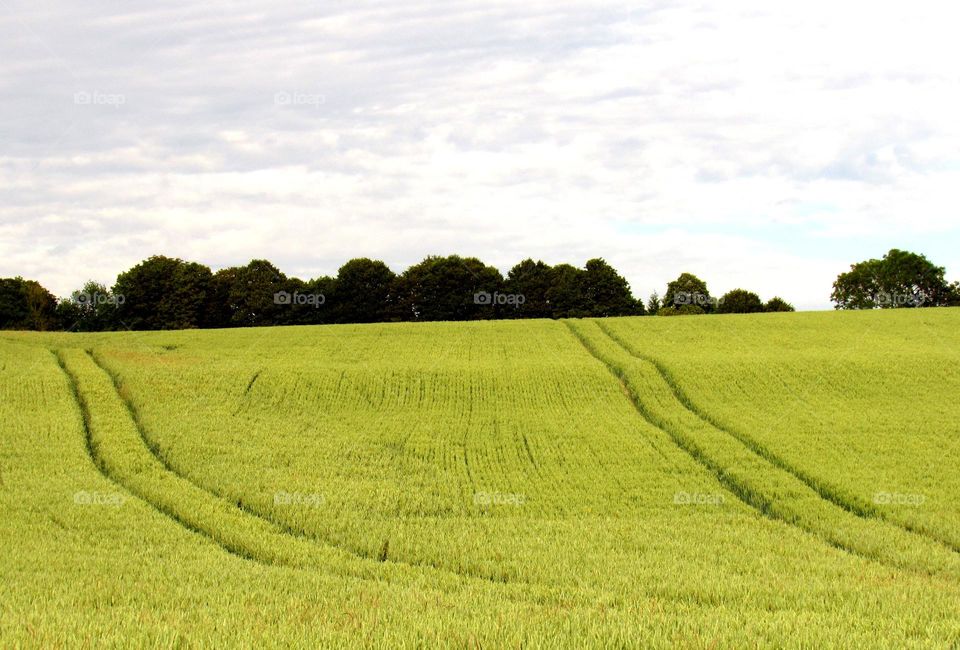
point(759, 146)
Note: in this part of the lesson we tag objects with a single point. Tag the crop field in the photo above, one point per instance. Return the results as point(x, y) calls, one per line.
point(769, 480)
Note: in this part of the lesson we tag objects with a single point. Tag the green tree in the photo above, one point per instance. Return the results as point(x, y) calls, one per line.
point(92, 308)
point(606, 292)
point(682, 310)
point(448, 288)
point(25, 304)
point(221, 308)
point(255, 295)
point(739, 301)
point(41, 306)
point(305, 303)
point(13, 305)
point(688, 289)
point(532, 280)
point(953, 295)
point(778, 304)
point(362, 292)
point(899, 279)
point(565, 295)
point(163, 293)
point(653, 303)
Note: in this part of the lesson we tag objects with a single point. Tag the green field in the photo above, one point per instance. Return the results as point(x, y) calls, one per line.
point(771, 480)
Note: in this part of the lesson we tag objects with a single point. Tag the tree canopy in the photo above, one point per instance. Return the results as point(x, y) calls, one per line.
point(688, 289)
point(24, 304)
point(739, 301)
point(899, 279)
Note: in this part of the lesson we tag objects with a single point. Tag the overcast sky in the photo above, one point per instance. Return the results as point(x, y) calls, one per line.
point(758, 144)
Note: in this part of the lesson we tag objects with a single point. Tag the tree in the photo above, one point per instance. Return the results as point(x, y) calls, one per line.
point(953, 295)
point(532, 280)
point(13, 305)
point(41, 306)
point(688, 289)
point(305, 303)
point(653, 303)
point(25, 304)
point(739, 301)
point(682, 310)
point(163, 293)
point(255, 294)
point(899, 279)
point(93, 308)
point(565, 295)
point(362, 292)
point(220, 309)
point(448, 288)
point(778, 304)
point(606, 292)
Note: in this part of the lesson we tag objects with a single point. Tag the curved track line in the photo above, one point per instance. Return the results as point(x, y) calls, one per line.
point(746, 493)
point(827, 492)
point(99, 464)
point(252, 511)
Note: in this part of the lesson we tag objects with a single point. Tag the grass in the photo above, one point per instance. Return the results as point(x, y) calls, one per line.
point(696, 482)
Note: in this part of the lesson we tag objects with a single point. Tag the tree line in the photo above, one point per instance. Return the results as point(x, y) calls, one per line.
point(170, 293)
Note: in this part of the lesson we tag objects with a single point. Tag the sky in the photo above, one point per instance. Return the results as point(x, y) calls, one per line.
point(757, 144)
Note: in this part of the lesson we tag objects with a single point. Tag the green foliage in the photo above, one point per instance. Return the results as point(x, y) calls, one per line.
point(899, 279)
point(606, 292)
point(363, 292)
point(953, 295)
point(688, 290)
point(565, 294)
point(447, 288)
point(25, 304)
point(739, 301)
point(654, 304)
point(682, 310)
point(250, 294)
point(778, 304)
point(163, 293)
point(533, 281)
point(92, 308)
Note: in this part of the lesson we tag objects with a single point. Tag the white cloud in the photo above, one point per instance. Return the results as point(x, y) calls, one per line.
point(732, 140)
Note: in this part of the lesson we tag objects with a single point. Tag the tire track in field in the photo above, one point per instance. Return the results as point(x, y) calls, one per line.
point(101, 466)
point(445, 580)
point(891, 546)
point(281, 526)
point(827, 492)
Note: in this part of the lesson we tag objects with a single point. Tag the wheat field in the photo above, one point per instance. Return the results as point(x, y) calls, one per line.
point(781, 480)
